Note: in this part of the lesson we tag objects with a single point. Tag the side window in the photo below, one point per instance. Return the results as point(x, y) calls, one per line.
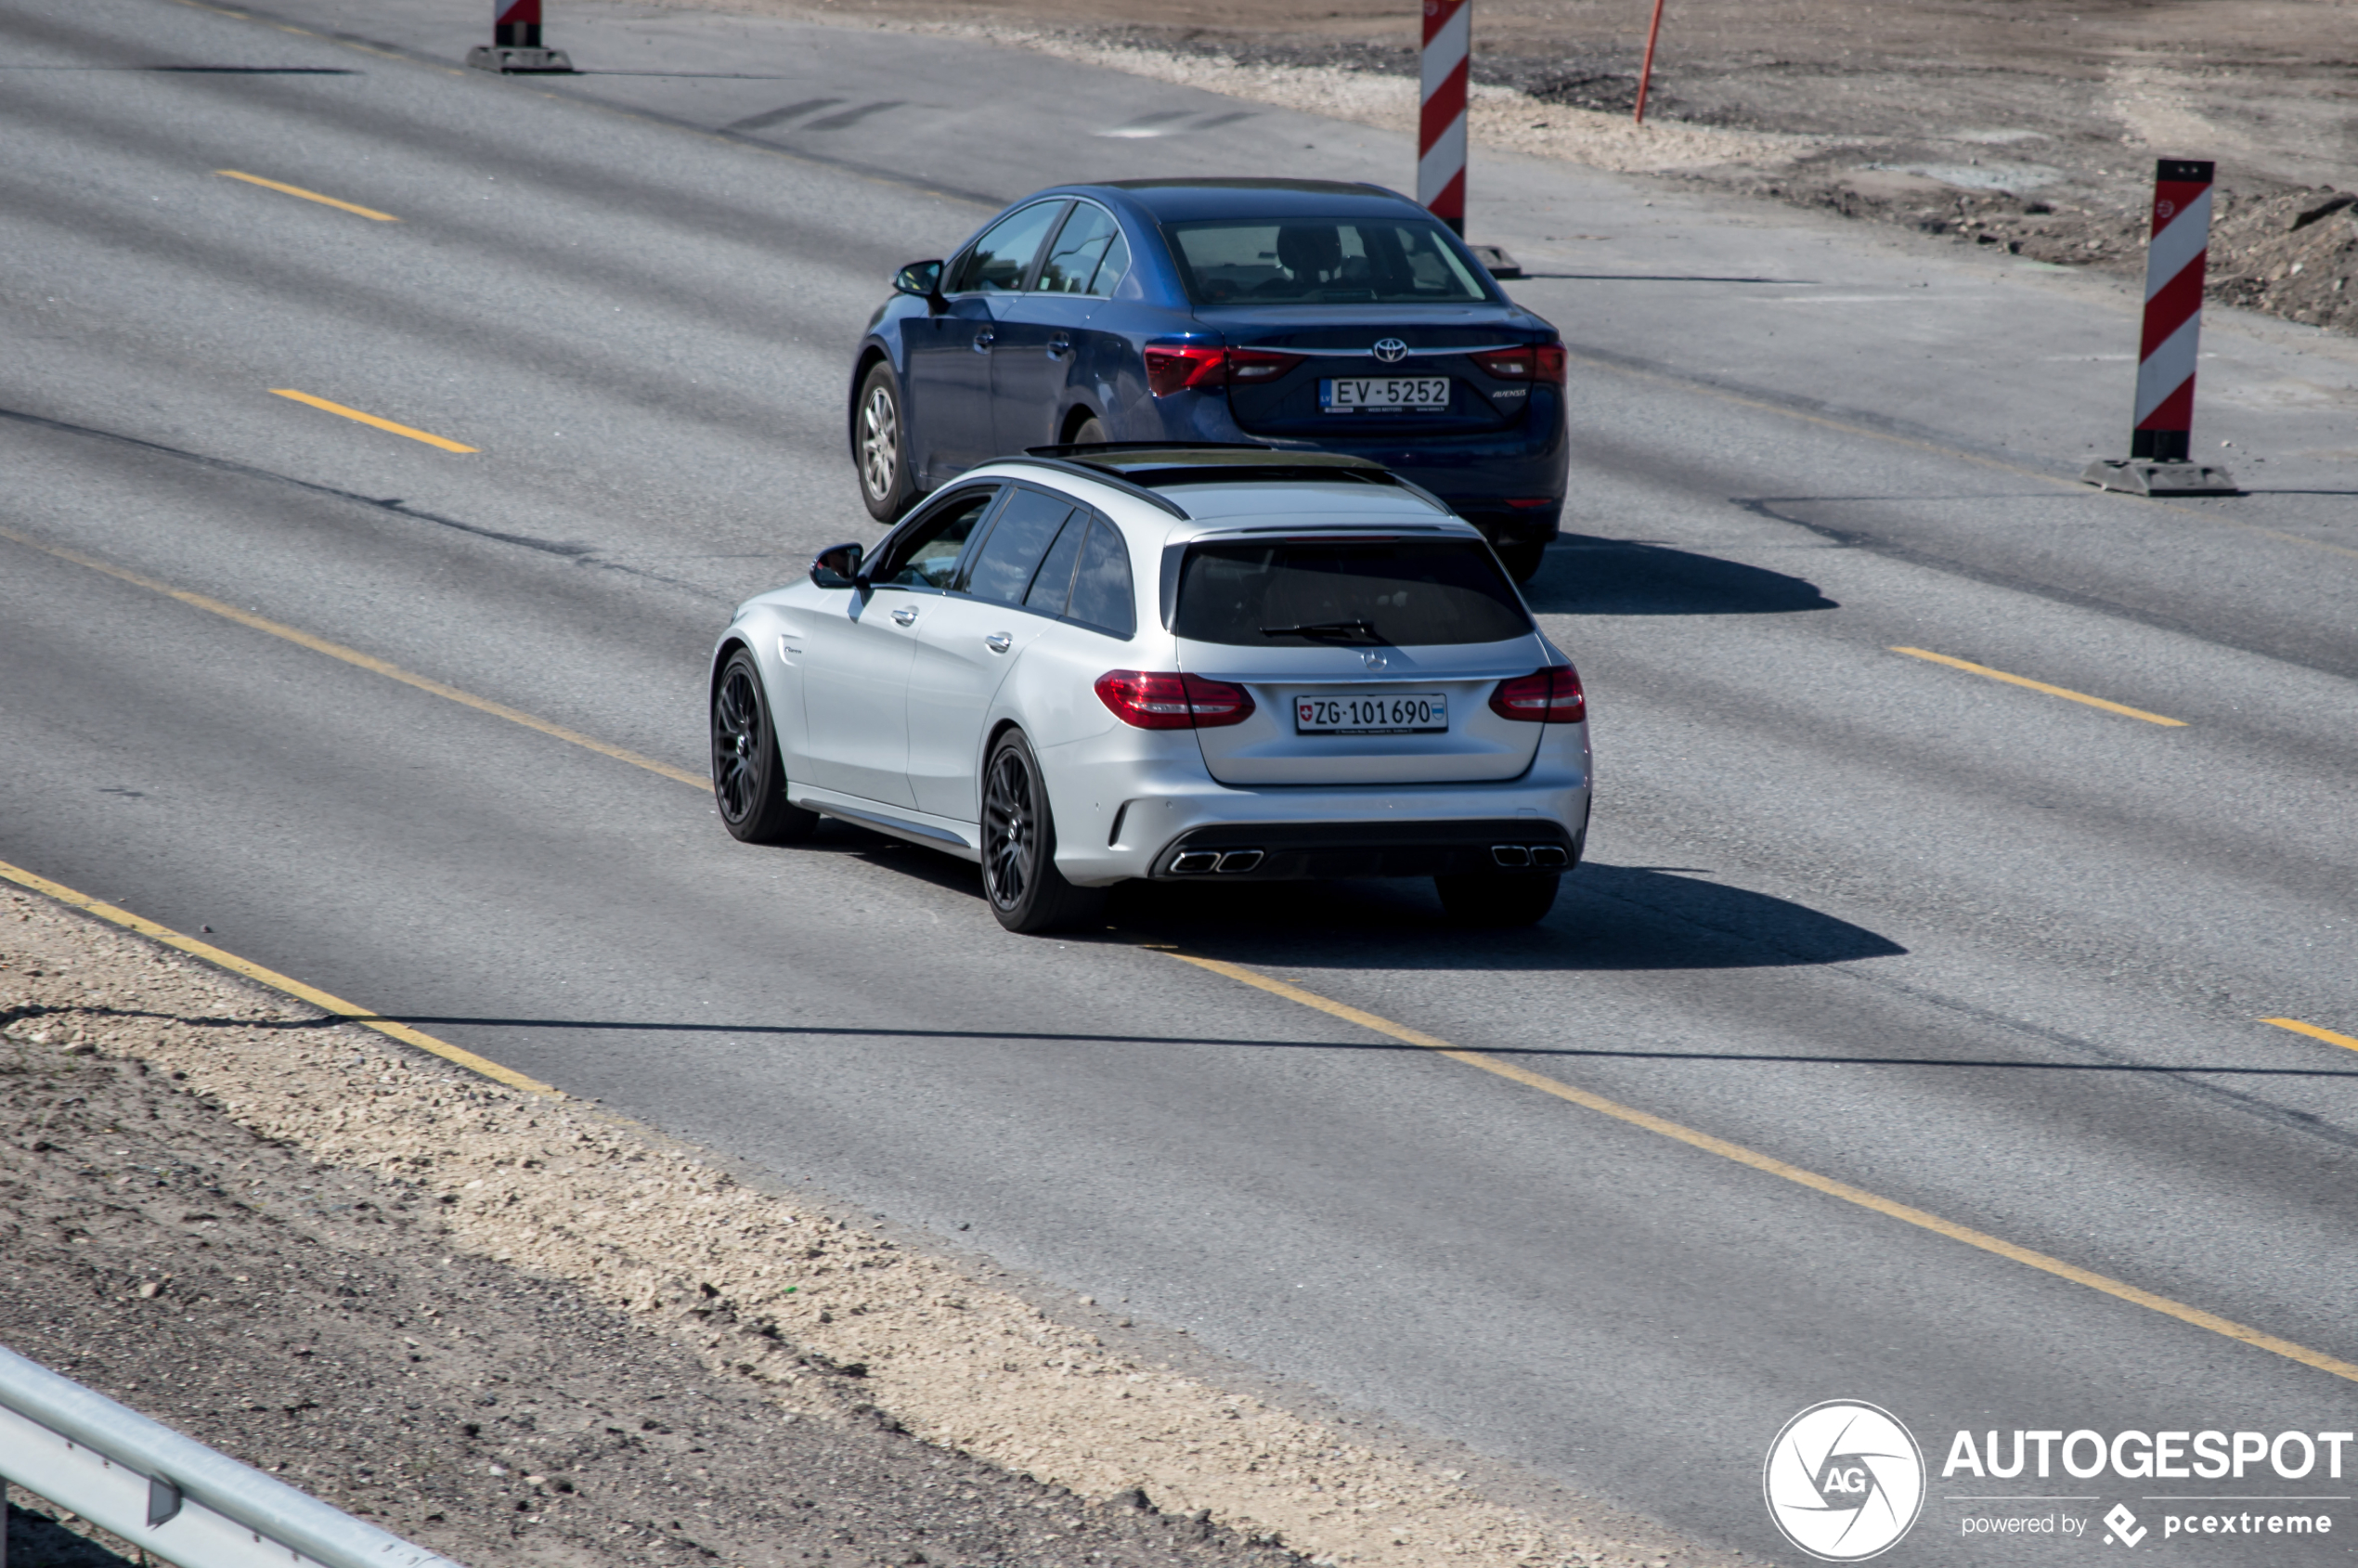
point(999, 260)
point(1114, 269)
point(1027, 525)
point(927, 554)
point(1051, 585)
point(1080, 246)
point(1101, 594)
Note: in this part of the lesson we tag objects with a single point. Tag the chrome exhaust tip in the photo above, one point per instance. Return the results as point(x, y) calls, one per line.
point(1241, 860)
point(1551, 857)
point(1513, 856)
point(1191, 860)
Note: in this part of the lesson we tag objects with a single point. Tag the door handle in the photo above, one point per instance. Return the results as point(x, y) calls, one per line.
point(906, 618)
point(998, 642)
point(1058, 346)
point(984, 339)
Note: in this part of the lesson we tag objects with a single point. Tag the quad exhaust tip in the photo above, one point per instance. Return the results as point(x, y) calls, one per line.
point(1516, 857)
point(1192, 862)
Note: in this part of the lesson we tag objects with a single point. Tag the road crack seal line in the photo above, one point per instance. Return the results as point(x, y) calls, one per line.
point(1770, 1165)
point(763, 1287)
point(247, 471)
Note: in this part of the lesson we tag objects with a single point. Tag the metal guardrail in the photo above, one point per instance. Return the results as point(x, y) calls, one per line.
point(169, 1495)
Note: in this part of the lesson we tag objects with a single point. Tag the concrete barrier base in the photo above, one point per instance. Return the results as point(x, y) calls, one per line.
point(2140, 476)
point(514, 61)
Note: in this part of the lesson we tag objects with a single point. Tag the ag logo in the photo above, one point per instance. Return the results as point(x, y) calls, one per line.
point(1843, 1481)
point(1391, 350)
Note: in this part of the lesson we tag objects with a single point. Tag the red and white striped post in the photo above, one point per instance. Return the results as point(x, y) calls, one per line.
point(1440, 123)
point(2161, 440)
point(515, 40)
point(516, 24)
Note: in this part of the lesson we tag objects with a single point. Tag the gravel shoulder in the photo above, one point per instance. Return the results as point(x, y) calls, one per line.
point(514, 1328)
point(2029, 124)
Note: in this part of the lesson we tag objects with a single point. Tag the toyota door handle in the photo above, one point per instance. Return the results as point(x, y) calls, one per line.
point(998, 642)
point(983, 341)
point(906, 618)
point(1058, 346)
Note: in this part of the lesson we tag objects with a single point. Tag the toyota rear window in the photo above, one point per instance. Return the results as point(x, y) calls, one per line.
point(1374, 261)
point(1311, 593)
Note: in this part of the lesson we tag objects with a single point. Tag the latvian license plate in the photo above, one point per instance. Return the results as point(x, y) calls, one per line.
point(1397, 713)
point(1377, 394)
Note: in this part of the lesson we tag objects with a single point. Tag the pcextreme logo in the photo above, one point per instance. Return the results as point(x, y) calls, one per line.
point(1844, 1480)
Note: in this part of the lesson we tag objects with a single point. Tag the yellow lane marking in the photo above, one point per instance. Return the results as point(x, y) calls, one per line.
point(2063, 692)
point(1775, 1167)
point(413, 433)
point(306, 195)
point(349, 1012)
point(2313, 1032)
point(354, 657)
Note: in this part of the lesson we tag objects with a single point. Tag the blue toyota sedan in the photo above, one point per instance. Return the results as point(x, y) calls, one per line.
point(1289, 313)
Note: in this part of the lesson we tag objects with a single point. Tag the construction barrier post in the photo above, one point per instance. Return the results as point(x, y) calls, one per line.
point(515, 42)
point(2161, 440)
point(1440, 123)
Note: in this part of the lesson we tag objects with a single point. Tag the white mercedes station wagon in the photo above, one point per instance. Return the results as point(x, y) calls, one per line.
point(1225, 664)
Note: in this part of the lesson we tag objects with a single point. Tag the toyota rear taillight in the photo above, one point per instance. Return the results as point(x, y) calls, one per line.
point(1195, 366)
point(1247, 365)
point(1544, 696)
point(1533, 362)
point(1164, 700)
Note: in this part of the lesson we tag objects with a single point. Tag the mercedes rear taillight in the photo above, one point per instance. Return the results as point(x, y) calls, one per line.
point(1164, 700)
point(1544, 696)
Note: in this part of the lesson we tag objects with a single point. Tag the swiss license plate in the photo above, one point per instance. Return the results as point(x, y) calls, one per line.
point(1396, 713)
point(1377, 395)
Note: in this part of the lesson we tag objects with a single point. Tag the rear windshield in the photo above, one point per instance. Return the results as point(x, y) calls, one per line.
point(1354, 261)
point(1307, 593)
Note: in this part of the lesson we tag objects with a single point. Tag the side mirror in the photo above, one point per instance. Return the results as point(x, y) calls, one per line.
point(922, 279)
point(838, 566)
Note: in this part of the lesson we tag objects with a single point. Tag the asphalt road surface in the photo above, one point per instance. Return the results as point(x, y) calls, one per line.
point(1995, 958)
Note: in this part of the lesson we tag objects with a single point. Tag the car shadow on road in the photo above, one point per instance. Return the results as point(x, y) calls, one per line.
point(1608, 917)
point(1587, 576)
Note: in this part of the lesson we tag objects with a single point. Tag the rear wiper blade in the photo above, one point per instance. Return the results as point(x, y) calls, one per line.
point(1325, 628)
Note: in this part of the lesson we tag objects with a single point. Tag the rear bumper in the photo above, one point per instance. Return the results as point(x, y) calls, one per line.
point(1117, 821)
point(1478, 474)
point(1291, 852)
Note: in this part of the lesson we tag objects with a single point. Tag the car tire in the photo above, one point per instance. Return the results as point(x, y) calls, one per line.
point(1495, 900)
point(1089, 433)
point(1523, 561)
point(880, 445)
point(1020, 881)
point(749, 776)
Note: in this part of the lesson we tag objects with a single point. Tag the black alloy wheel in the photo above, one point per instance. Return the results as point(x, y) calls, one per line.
point(1499, 900)
point(880, 445)
point(1027, 892)
point(748, 778)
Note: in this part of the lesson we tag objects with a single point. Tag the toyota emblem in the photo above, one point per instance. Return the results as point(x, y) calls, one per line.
point(1391, 350)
